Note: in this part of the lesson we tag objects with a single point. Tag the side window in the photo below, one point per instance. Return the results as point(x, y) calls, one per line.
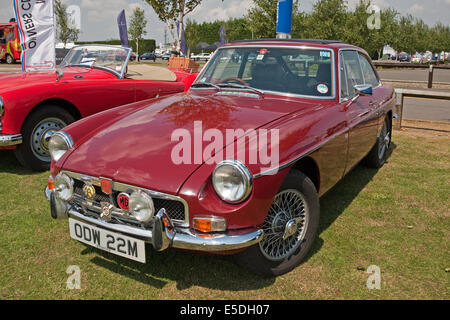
point(343, 85)
point(352, 70)
point(370, 76)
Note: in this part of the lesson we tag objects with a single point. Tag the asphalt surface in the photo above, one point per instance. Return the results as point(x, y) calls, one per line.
point(423, 109)
point(426, 109)
point(439, 75)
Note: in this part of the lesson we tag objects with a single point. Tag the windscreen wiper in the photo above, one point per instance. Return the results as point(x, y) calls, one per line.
point(240, 86)
point(206, 85)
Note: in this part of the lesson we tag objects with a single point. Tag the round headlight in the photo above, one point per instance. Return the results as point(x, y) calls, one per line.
point(63, 187)
point(232, 181)
point(141, 206)
point(58, 145)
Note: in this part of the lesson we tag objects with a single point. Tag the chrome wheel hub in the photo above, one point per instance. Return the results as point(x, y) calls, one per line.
point(41, 135)
point(285, 225)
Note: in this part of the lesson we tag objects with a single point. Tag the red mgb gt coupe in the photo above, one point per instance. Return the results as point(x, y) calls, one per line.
point(235, 165)
point(91, 79)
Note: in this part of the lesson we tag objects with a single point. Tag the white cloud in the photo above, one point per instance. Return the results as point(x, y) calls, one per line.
point(416, 9)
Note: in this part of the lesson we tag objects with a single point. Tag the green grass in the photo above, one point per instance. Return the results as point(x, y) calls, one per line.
point(397, 218)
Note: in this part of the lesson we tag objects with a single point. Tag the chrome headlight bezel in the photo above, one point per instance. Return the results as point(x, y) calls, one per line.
point(242, 172)
point(59, 144)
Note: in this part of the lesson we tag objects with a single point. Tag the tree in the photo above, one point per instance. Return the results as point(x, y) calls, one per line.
point(329, 18)
point(66, 29)
point(173, 12)
point(136, 30)
point(262, 18)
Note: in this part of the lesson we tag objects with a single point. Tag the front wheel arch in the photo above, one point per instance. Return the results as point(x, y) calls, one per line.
point(61, 103)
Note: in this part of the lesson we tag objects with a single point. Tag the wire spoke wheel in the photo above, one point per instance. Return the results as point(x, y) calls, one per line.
point(385, 142)
point(285, 225)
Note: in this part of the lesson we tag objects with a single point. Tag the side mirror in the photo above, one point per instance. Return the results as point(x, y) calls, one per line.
point(59, 75)
point(364, 90)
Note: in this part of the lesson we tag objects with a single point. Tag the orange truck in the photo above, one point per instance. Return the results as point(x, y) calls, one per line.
point(10, 48)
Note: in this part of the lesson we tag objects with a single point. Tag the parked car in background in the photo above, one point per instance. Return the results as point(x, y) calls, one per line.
point(92, 78)
point(166, 56)
point(417, 58)
point(133, 56)
point(133, 179)
point(201, 56)
point(148, 56)
point(403, 57)
point(10, 48)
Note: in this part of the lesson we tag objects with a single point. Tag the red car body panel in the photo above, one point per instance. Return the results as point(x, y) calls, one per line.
point(86, 90)
point(134, 144)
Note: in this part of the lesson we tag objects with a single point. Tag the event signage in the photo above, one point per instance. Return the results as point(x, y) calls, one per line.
point(284, 17)
point(35, 19)
point(123, 30)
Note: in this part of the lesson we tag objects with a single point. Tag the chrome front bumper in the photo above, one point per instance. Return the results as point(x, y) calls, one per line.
point(7, 140)
point(164, 235)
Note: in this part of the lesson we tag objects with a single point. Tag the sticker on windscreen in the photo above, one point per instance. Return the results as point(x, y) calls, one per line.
point(322, 88)
point(325, 54)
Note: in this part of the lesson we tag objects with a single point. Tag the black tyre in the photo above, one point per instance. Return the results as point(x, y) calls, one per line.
point(36, 132)
point(378, 155)
point(290, 229)
point(10, 59)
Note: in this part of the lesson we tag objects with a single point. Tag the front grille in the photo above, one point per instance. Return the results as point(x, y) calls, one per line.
point(175, 209)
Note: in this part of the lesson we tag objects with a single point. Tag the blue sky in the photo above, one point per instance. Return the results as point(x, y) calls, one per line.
point(98, 17)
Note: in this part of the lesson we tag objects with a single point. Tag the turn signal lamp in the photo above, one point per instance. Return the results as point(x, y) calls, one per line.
point(51, 183)
point(209, 224)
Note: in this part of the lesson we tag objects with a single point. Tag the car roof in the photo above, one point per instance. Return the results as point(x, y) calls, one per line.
point(335, 44)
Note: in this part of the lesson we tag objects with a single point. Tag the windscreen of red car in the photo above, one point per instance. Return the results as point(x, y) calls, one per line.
point(305, 72)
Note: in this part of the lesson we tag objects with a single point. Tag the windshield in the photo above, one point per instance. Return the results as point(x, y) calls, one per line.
point(111, 58)
point(306, 72)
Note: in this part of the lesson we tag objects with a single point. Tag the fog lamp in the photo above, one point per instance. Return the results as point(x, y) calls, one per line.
point(63, 186)
point(141, 206)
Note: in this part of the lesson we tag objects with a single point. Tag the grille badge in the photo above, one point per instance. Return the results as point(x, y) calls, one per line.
point(123, 200)
point(89, 191)
point(106, 211)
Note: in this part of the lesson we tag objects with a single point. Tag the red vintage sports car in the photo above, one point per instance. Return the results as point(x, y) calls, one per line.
point(91, 79)
point(235, 165)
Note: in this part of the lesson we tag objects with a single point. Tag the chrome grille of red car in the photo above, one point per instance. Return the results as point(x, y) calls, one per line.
point(175, 209)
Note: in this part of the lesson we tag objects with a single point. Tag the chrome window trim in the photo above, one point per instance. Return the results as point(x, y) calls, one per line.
point(122, 187)
point(358, 50)
point(285, 94)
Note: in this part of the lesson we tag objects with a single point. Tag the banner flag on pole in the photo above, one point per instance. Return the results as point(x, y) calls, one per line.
point(183, 47)
point(123, 30)
point(223, 35)
point(35, 19)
